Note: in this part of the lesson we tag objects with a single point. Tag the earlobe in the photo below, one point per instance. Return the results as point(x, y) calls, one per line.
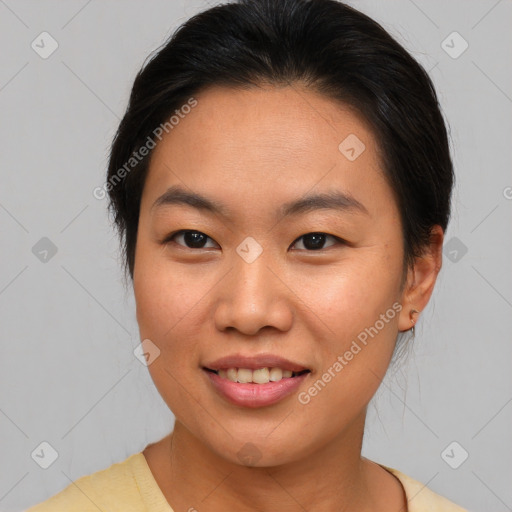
point(421, 280)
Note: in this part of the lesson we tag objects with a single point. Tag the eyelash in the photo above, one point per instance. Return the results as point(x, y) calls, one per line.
point(171, 236)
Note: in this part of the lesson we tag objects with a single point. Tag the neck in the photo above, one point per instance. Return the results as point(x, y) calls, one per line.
point(333, 478)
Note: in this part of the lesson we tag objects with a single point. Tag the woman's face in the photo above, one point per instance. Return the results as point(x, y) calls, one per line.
point(250, 282)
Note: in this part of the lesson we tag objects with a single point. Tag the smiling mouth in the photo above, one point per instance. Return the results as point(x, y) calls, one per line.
point(258, 376)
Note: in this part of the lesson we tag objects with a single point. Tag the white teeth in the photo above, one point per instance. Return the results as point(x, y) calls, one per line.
point(244, 375)
point(276, 374)
point(259, 376)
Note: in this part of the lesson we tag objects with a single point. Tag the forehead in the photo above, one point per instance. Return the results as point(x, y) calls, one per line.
point(267, 144)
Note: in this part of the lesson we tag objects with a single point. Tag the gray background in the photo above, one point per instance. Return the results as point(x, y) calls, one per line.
point(68, 375)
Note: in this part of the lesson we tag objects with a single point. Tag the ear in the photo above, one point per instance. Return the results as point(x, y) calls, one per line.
point(421, 280)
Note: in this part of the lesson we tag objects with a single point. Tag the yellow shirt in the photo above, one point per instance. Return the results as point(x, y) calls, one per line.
point(129, 486)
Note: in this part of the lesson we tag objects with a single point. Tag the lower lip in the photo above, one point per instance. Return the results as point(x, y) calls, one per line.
point(255, 395)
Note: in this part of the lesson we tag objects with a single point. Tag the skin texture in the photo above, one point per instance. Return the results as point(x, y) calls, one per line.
point(254, 150)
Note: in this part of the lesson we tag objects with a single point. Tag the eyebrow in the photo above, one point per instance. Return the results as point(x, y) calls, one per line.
point(333, 200)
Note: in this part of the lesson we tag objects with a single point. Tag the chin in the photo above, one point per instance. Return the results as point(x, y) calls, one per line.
point(259, 452)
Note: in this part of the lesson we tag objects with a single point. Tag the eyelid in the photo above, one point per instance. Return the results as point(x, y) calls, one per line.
point(169, 238)
point(336, 238)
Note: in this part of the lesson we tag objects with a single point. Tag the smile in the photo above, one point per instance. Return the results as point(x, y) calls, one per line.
point(258, 376)
point(255, 388)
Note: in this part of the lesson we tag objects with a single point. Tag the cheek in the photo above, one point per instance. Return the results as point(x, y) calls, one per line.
point(356, 304)
point(353, 295)
point(167, 297)
point(167, 303)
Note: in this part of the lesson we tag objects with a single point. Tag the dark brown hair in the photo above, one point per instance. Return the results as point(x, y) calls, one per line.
point(325, 44)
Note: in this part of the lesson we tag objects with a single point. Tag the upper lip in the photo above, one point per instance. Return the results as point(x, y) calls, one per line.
point(255, 362)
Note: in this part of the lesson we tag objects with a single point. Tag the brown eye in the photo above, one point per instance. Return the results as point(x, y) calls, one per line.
point(315, 241)
point(191, 239)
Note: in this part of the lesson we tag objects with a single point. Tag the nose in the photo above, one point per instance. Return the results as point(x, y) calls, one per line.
point(253, 297)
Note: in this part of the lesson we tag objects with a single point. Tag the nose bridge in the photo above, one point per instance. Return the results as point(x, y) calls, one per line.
point(253, 297)
point(252, 280)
